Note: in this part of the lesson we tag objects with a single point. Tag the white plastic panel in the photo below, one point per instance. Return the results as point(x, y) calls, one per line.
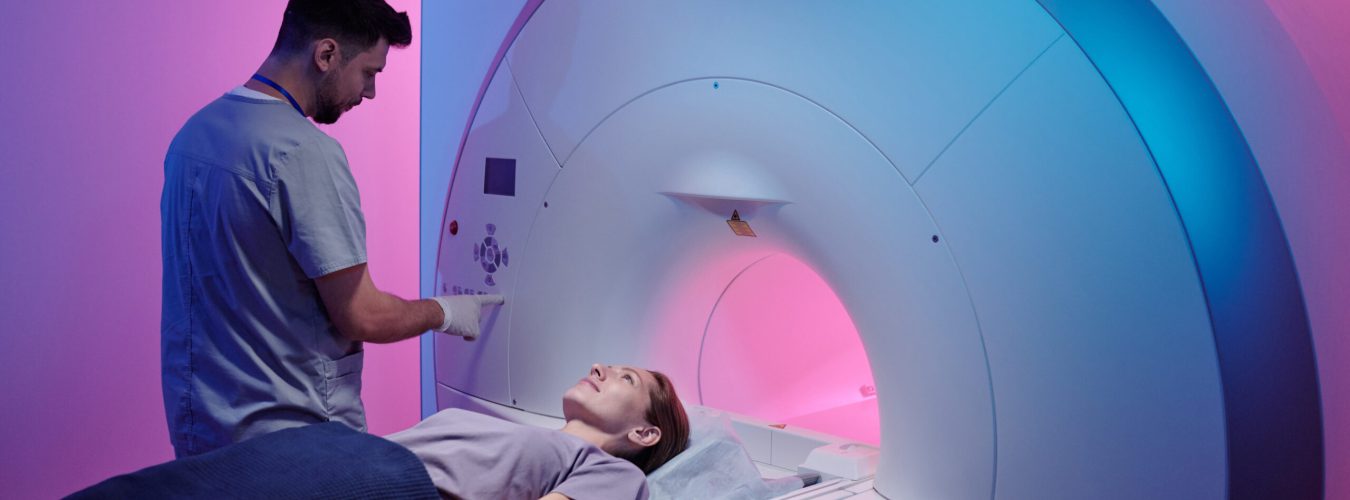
point(931, 65)
point(502, 130)
point(451, 398)
point(757, 440)
point(620, 270)
point(1103, 371)
point(447, 97)
point(1105, 378)
point(791, 449)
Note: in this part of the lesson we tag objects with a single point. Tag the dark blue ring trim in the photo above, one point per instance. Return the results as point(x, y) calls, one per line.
point(1272, 408)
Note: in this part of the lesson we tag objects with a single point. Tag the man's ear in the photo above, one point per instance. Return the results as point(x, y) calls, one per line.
point(645, 436)
point(327, 55)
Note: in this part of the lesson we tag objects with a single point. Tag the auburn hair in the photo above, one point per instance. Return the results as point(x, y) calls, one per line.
point(666, 413)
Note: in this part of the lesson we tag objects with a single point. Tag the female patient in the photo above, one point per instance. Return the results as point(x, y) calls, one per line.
point(622, 423)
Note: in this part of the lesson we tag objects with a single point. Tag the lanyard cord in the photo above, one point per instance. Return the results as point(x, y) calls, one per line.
point(283, 91)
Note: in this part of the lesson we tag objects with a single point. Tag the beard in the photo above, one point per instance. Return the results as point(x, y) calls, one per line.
point(328, 106)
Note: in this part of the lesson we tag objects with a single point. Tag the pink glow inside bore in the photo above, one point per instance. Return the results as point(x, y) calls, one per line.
point(781, 347)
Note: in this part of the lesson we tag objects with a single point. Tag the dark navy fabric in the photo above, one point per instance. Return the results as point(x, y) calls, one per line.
point(327, 460)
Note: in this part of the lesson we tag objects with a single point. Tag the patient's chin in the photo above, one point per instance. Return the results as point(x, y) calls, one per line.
point(571, 406)
point(572, 393)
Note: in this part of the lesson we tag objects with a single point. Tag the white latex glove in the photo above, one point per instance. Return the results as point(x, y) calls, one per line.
point(462, 313)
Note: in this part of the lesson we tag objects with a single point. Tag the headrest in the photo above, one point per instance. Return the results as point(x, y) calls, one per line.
point(715, 465)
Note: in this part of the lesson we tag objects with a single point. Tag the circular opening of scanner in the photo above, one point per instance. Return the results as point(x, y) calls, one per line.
point(779, 346)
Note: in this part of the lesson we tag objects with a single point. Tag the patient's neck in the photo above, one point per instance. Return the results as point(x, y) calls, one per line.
point(612, 444)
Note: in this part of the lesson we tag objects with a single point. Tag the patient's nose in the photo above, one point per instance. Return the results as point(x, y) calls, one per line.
point(598, 371)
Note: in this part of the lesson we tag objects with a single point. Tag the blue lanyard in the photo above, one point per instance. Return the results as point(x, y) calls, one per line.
point(274, 85)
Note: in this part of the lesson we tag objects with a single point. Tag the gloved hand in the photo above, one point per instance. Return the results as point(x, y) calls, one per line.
point(462, 313)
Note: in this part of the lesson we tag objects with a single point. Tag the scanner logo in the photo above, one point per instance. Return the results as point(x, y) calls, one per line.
point(490, 255)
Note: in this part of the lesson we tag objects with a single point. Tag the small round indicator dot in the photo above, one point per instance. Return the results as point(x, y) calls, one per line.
point(716, 85)
point(935, 238)
point(546, 204)
point(454, 227)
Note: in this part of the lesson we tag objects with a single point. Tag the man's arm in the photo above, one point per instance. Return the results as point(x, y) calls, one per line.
point(364, 313)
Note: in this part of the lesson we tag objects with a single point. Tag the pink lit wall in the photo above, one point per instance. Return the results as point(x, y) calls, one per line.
point(91, 95)
point(1321, 31)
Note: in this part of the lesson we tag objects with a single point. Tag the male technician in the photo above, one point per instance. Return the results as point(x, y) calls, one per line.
point(267, 295)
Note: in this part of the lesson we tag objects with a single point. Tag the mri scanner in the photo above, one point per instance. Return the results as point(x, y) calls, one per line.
point(1019, 247)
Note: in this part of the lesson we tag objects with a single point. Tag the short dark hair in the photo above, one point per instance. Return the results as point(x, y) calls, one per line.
point(356, 25)
point(666, 413)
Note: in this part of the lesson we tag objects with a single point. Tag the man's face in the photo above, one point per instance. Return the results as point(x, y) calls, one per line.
point(351, 80)
point(613, 398)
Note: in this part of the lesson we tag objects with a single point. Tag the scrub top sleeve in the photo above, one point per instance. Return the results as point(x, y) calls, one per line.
point(321, 208)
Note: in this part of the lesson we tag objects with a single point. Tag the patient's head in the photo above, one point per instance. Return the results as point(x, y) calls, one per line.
point(633, 413)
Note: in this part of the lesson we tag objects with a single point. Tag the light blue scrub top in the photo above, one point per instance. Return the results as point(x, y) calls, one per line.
point(257, 203)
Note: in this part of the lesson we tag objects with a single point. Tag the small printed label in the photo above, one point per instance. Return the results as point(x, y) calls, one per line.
point(738, 226)
point(741, 228)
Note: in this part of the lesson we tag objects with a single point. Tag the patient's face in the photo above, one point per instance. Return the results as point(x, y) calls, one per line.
point(611, 397)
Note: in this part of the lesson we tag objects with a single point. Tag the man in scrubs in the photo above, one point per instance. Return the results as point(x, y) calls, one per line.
point(267, 293)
